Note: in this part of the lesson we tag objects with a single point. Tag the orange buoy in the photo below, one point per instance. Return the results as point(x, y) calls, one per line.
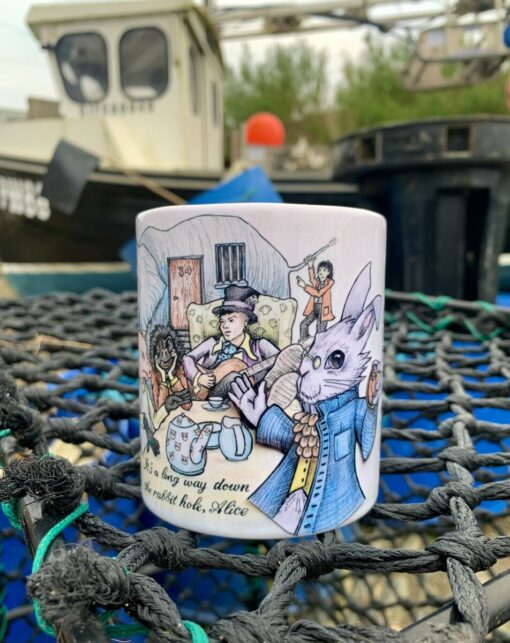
point(264, 128)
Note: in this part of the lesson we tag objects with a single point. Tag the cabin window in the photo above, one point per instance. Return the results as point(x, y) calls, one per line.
point(194, 70)
point(230, 264)
point(215, 104)
point(144, 56)
point(82, 62)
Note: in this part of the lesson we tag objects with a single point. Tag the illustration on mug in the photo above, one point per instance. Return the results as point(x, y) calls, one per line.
point(216, 338)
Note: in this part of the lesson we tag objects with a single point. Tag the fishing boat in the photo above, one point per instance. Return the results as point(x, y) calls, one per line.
point(139, 123)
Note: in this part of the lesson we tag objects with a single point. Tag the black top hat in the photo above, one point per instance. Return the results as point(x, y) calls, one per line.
point(240, 293)
point(239, 299)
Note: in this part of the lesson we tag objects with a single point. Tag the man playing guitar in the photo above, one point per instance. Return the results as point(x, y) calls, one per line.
point(234, 350)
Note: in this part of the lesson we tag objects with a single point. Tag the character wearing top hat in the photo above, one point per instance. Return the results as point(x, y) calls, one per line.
point(236, 313)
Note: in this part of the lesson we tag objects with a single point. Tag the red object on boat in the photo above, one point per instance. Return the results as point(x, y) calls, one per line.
point(264, 128)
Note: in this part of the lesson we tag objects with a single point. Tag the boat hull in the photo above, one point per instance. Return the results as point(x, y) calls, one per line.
point(443, 186)
point(104, 220)
point(33, 279)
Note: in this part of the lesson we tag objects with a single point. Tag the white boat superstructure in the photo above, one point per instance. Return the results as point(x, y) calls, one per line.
point(141, 83)
point(140, 86)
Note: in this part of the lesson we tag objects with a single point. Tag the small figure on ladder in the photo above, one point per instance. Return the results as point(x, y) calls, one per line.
point(318, 307)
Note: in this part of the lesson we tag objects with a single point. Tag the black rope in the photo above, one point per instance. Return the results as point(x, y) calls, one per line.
point(68, 369)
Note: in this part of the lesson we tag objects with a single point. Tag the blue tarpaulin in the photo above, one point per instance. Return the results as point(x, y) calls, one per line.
point(252, 186)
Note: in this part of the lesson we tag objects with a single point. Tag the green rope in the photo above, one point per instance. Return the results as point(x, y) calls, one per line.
point(436, 303)
point(421, 324)
point(9, 509)
point(10, 512)
point(480, 336)
point(389, 318)
point(446, 321)
point(486, 305)
point(124, 630)
point(41, 552)
point(440, 325)
point(198, 635)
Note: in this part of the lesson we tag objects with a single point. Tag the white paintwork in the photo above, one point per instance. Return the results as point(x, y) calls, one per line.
point(42, 15)
point(22, 197)
point(159, 135)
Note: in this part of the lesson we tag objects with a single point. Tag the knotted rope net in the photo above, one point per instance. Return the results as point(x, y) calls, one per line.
point(83, 560)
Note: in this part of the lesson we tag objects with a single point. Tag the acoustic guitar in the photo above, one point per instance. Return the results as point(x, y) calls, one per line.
point(288, 360)
point(226, 372)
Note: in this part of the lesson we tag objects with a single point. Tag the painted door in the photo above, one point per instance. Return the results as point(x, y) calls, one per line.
point(184, 288)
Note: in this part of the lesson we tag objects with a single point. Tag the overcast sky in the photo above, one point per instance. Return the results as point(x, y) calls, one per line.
point(24, 69)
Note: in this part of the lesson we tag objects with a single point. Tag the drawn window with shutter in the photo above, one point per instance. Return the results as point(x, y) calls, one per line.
point(230, 264)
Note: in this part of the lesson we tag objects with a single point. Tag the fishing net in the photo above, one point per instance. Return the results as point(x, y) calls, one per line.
point(83, 560)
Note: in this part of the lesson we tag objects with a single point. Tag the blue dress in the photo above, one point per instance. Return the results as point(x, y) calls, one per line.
point(335, 493)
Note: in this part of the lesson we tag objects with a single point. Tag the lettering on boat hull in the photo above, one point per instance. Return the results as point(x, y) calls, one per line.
point(23, 197)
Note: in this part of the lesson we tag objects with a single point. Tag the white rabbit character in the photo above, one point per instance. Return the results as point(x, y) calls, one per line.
point(315, 488)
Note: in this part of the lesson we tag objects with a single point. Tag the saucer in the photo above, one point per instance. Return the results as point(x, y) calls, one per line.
point(223, 407)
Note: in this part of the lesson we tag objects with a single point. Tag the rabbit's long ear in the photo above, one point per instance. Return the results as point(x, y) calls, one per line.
point(363, 326)
point(357, 296)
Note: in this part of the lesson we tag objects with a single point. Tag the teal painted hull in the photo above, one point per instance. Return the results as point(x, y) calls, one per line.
point(31, 281)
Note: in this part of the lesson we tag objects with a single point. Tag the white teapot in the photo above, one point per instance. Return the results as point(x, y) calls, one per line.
point(186, 444)
point(236, 441)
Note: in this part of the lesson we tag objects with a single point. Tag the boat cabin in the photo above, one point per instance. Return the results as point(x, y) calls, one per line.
point(140, 85)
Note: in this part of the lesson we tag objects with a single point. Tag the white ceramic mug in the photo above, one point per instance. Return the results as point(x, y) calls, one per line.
point(276, 310)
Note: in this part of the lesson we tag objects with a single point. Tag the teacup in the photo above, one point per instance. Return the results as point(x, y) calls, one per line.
point(215, 402)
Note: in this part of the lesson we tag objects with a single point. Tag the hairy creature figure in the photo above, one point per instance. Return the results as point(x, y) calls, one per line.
point(169, 384)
